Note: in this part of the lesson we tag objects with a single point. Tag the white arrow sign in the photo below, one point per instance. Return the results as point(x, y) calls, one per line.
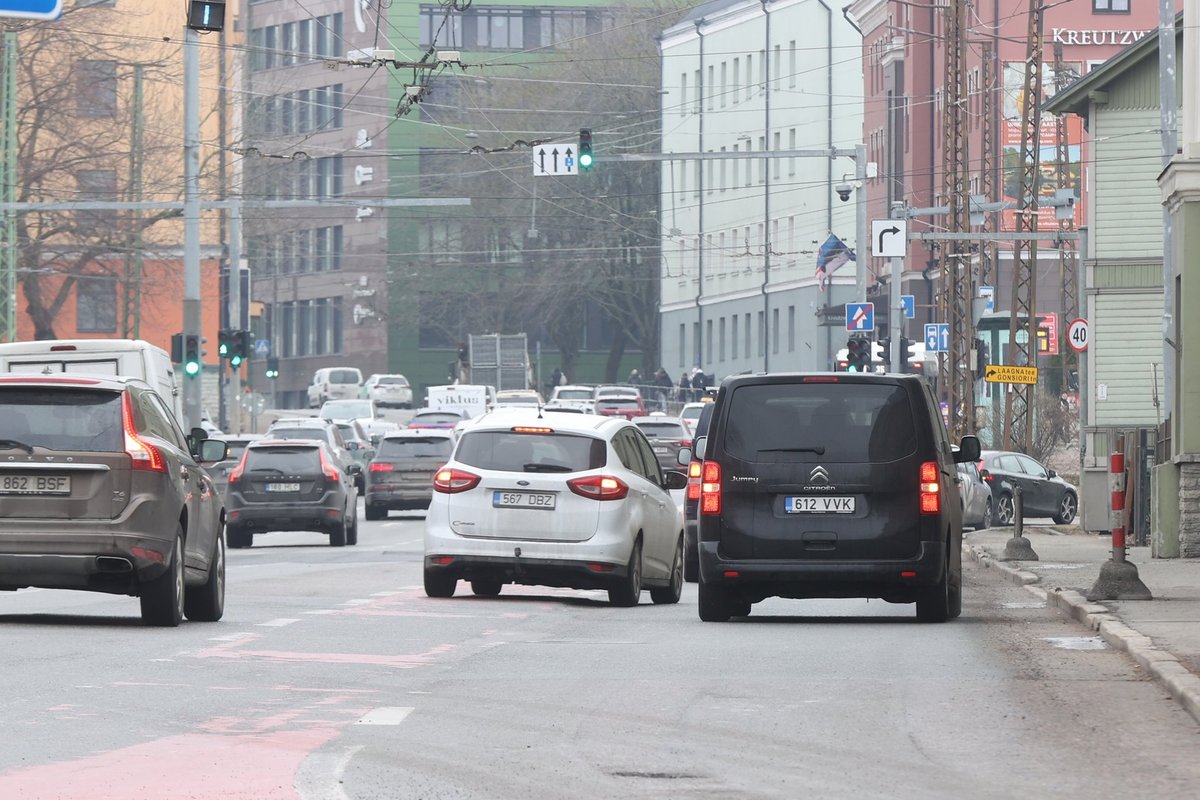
point(889, 238)
point(555, 159)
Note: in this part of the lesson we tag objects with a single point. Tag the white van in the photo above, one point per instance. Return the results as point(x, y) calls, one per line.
point(132, 358)
point(334, 383)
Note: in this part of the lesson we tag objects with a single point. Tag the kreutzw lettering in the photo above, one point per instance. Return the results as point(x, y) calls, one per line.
point(1095, 37)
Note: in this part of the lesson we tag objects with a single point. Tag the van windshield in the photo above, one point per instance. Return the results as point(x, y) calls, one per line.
point(344, 376)
point(838, 422)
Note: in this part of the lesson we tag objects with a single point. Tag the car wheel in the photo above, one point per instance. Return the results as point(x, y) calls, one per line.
point(666, 595)
point(986, 522)
point(352, 528)
point(206, 603)
point(691, 561)
point(486, 587)
point(239, 537)
point(162, 598)
point(629, 591)
point(714, 604)
point(934, 603)
point(337, 534)
point(375, 513)
point(1067, 507)
point(1004, 510)
point(439, 584)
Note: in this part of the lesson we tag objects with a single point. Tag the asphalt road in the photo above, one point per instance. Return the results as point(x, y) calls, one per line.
point(332, 676)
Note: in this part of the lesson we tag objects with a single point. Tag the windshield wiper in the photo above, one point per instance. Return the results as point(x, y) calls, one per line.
point(9, 444)
point(819, 450)
point(546, 468)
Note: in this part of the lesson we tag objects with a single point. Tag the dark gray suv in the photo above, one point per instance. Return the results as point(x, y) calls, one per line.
point(829, 485)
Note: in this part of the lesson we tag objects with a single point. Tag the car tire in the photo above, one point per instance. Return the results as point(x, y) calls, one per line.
point(691, 561)
point(206, 602)
point(239, 538)
point(1068, 506)
point(439, 584)
point(1005, 511)
point(486, 587)
point(352, 528)
point(628, 592)
point(986, 522)
point(714, 604)
point(669, 594)
point(935, 602)
point(162, 598)
point(375, 513)
point(337, 534)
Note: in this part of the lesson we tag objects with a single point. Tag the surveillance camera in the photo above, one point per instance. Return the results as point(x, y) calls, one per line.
point(843, 190)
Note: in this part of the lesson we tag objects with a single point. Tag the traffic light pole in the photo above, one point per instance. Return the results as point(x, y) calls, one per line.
point(192, 385)
point(896, 354)
point(233, 398)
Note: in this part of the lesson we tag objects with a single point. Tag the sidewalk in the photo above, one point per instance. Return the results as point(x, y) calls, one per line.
point(1162, 635)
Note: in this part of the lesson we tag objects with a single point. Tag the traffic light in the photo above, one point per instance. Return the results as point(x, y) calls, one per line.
point(272, 368)
point(206, 15)
point(191, 355)
point(981, 358)
point(585, 149)
point(858, 354)
point(176, 348)
point(908, 355)
point(225, 343)
point(239, 347)
point(881, 353)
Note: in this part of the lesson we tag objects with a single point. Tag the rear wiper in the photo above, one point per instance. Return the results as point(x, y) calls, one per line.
point(546, 468)
point(819, 450)
point(9, 444)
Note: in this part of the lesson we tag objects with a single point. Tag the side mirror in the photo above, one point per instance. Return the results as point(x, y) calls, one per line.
point(698, 448)
point(1051, 473)
point(198, 435)
point(212, 451)
point(352, 446)
point(675, 480)
point(968, 449)
point(684, 456)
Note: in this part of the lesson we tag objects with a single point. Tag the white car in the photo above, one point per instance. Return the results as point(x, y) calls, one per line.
point(569, 500)
point(388, 390)
point(690, 414)
point(333, 383)
point(360, 411)
point(525, 398)
point(578, 396)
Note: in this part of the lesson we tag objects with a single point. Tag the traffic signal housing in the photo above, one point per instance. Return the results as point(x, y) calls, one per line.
point(272, 368)
point(225, 343)
point(908, 354)
point(207, 16)
point(881, 352)
point(191, 355)
point(584, 156)
point(240, 348)
point(858, 354)
point(176, 348)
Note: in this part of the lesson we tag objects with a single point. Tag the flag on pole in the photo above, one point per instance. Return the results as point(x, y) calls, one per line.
point(830, 256)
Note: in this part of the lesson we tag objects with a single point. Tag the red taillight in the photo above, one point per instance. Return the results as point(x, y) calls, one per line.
point(377, 466)
point(144, 455)
point(453, 481)
point(710, 488)
point(599, 487)
point(331, 472)
point(985, 475)
point(236, 475)
point(693, 486)
point(931, 496)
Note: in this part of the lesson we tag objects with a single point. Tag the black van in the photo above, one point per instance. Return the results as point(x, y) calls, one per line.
point(829, 485)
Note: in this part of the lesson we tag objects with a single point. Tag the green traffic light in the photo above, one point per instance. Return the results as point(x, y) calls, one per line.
point(585, 160)
point(192, 368)
point(236, 361)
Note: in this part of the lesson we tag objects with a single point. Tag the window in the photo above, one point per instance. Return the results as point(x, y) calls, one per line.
point(711, 83)
point(708, 341)
point(792, 63)
point(699, 92)
point(711, 167)
point(96, 184)
point(791, 146)
point(746, 338)
point(683, 95)
point(775, 161)
point(762, 334)
point(721, 340)
point(499, 28)
point(775, 331)
point(696, 341)
point(724, 85)
point(749, 76)
point(778, 66)
point(791, 329)
point(723, 163)
point(1110, 6)
point(96, 89)
point(96, 304)
point(762, 162)
point(733, 337)
point(682, 344)
point(736, 165)
point(737, 79)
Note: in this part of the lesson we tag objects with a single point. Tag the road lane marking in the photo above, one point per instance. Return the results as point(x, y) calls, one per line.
point(385, 715)
point(277, 623)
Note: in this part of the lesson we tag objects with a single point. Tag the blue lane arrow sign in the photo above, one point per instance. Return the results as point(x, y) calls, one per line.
point(860, 317)
point(909, 303)
point(931, 337)
point(31, 9)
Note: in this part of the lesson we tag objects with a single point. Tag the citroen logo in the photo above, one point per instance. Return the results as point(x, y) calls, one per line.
point(818, 475)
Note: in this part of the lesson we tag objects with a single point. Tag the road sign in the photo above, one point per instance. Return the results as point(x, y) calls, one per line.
point(262, 347)
point(31, 9)
point(889, 238)
point(860, 317)
point(988, 293)
point(1079, 333)
point(1006, 373)
point(253, 403)
point(909, 303)
point(552, 158)
point(937, 337)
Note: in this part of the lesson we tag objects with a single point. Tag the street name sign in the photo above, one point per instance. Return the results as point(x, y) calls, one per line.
point(552, 158)
point(31, 9)
point(1007, 373)
point(889, 238)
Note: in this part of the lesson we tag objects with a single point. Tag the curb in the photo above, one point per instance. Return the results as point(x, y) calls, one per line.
point(1182, 684)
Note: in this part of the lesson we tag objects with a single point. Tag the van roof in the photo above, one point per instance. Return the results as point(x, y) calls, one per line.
point(77, 345)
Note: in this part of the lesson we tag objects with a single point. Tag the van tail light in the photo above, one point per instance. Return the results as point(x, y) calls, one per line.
point(453, 481)
point(144, 455)
point(693, 486)
point(710, 488)
point(331, 472)
point(931, 496)
point(599, 487)
point(381, 466)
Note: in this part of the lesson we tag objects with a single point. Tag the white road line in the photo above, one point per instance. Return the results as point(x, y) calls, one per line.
point(277, 623)
point(385, 715)
point(356, 602)
point(318, 779)
point(231, 637)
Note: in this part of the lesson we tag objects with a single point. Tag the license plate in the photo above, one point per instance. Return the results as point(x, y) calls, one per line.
point(35, 484)
point(818, 505)
point(660, 449)
point(522, 500)
point(283, 487)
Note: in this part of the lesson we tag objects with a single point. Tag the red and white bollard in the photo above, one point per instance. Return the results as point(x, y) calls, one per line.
point(1116, 482)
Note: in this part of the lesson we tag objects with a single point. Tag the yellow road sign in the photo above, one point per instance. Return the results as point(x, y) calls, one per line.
point(1006, 373)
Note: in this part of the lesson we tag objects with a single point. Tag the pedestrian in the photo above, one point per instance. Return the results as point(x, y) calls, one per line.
point(699, 382)
point(685, 386)
point(635, 377)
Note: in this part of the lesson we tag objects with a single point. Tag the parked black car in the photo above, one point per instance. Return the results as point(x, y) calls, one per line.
point(1043, 492)
point(829, 485)
point(691, 502)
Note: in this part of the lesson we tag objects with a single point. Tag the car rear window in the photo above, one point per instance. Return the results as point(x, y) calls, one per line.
point(62, 419)
point(691, 413)
point(436, 418)
point(839, 422)
point(531, 452)
point(297, 432)
point(415, 447)
point(663, 430)
point(618, 402)
point(399, 380)
point(344, 376)
point(575, 394)
point(287, 460)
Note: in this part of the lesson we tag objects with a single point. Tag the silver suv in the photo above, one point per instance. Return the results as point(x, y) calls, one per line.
point(100, 490)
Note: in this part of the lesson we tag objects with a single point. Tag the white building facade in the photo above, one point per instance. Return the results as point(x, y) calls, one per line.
point(741, 233)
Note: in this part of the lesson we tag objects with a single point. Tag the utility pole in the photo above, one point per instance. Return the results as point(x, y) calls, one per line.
point(1022, 349)
point(987, 158)
point(8, 157)
point(1168, 117)
point(131, 312)
point(193, 385)
point(234, 397)
point(1068, 276)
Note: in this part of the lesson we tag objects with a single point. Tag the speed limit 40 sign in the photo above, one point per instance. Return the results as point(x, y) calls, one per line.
point(1078, 335)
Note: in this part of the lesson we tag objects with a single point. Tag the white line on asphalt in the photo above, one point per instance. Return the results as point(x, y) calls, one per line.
point(277, 623)
point(230, 637)
point(385, 594)
point(385, 715)
point(318, 779)
point(356, 602)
